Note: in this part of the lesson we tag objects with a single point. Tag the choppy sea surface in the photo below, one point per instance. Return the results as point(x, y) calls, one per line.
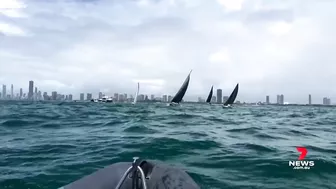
point(48, 145)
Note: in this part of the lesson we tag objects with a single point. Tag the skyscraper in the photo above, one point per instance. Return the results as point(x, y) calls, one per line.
point(35, 93)
point(88, 96)
point(141, 97)
point(54, 95)
point(309, 100)
point(267, 100)
point(81, 97)
point(45, 96)
point(219, 96)
point(21, 93)
point(70, 97)
point(121, 97)
point(30, 91)
point(39, 95)
point(100, 95)
point(4, 91)
point(170, 98)
point(116, 95)
point(164, 98)
point(282, 99)
point(326, 101)
point(152, 97)
point(12, 91)
point(278, 99)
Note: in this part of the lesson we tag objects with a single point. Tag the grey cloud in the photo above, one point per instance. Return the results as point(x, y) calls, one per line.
point(105, 45)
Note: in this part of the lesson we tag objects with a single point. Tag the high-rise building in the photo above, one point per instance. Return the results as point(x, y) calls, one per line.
point(70, 97)
point(12, 91)
point(45, 96)
point(152, 97)
point(4, 91)
point(115, 98)
point(100, 95)
point(170, 98)
point(141, 97)
point(267, 100)
point(88, 96)
point(35, 93)
point(0, 96)
point(164, 98)
point(121, 97)
point(219, 96)
point(60, 97)
point(81, 97)
point(54, 95)
point(309, 99)
point(39, 95)
point(278, 99)
point(282, 99)
point(21, 93)
point(30, 90)
point(326, 101)
point(125, 96)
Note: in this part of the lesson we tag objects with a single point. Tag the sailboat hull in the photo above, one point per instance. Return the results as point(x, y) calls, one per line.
point(173, 104)
point(227, 106)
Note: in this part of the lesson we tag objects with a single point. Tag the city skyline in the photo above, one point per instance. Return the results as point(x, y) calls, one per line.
point(268, 47)
point(54, 95)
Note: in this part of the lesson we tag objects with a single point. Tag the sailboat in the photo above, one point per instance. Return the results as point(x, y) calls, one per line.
point(232, 97)
point(210, 96)
point(180, 94)
point(136, 95)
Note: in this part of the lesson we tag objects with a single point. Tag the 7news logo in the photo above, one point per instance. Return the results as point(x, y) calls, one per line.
point(301, 164)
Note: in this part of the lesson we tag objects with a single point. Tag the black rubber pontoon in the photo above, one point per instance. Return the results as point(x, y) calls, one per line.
point(140, 174)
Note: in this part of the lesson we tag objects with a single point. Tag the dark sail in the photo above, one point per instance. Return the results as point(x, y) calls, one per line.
point(180, 94)
point(232, 97)
point(210, 96)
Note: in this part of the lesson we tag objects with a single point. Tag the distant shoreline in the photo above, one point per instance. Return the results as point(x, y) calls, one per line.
point(186, 102)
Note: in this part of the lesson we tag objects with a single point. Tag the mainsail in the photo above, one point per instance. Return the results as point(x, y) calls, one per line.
point(232, 97)
point(136, 95)
point(180, 94)
point(210, 95)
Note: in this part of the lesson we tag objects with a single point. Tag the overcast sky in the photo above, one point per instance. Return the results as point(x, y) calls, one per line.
point(269, 47)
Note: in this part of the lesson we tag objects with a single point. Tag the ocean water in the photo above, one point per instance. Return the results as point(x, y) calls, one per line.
point(48, 145)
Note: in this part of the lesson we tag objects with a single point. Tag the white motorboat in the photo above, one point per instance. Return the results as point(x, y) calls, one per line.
point(107, 99)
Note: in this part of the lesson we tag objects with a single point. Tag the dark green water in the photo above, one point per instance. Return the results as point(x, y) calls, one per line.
point(45, 145)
